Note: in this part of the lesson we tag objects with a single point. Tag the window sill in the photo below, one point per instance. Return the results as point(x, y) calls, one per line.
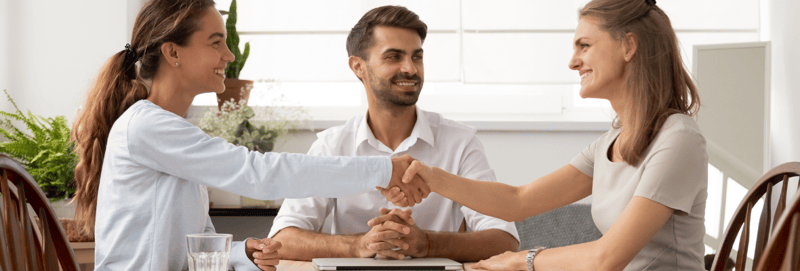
point(574, 121)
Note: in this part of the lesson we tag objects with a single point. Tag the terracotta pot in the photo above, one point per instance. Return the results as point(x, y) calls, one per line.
point(235, 89)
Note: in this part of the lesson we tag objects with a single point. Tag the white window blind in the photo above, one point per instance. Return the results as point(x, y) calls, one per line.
point(496, 59)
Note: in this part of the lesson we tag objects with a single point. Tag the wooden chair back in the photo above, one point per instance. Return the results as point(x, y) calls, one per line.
point(783, 249)
point(739, 226)
point(26, 245)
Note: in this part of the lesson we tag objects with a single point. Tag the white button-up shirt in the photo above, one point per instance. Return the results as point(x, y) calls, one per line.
point(435, 141)
point(153, 185)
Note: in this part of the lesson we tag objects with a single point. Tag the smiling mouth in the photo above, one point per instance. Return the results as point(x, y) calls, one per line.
point(406, 84)
point(220, 72)
point(584, 75)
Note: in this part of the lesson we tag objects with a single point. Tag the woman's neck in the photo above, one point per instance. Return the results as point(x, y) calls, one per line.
point(166, 94)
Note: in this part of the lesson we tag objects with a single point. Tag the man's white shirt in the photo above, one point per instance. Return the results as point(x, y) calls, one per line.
point(435, 141)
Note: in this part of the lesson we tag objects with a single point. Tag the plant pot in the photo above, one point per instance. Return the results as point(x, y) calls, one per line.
point(235, 89)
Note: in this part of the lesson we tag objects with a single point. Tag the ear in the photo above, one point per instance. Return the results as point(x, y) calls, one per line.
point(170, 52)
point(358, 66)
point(629, 45)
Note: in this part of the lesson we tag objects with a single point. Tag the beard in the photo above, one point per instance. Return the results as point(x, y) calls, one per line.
point(382, 89)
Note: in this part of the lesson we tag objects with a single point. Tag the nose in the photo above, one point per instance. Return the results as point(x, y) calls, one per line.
point(575, 62)
point(227, 55)
point(408, 66)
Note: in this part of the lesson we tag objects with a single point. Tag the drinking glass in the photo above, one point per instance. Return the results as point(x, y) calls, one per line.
point(208, 251)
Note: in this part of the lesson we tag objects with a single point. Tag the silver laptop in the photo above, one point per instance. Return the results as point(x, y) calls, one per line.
point(385, 264)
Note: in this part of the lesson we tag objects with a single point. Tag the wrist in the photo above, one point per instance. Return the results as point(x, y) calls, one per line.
point(437, 179)
point(357, 246)
point(428, 247)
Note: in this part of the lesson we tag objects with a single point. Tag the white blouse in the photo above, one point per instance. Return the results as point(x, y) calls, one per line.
point(153, 185)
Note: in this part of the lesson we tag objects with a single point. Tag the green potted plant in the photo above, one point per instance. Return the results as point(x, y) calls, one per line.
point(235, 89)
point(46, 153)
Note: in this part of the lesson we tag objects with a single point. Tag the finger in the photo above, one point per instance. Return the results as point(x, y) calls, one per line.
point(265, 256)
point(266, 262)
point(379, 220)
point(386, 235)
point(426, 190)
point(412, 170)
point(254, 244)
point(272, 246)
point(404, 215)
point(411, 201)
point(394, 226)
point(380, 246)
point(267, 268)
point(391, 254)
point(385, 211)
point(393, 195)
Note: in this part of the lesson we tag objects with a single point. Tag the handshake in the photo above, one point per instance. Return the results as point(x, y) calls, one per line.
point(409, 183)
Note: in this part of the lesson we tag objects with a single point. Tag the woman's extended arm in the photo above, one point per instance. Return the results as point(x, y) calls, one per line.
point(638, 223)
point(510, 203)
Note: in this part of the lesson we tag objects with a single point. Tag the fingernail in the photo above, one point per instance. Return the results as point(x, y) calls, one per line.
point(261, 246)
point(256, 254)
point(406, 230)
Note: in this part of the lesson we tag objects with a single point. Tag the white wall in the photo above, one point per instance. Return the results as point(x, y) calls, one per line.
point(4, 22)
point(785, 86)
point(56, 48)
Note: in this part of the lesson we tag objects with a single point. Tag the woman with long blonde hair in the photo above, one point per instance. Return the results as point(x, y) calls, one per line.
point(647, 176)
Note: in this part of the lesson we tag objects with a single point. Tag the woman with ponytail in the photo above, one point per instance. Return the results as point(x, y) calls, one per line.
point(144, 169)
point(647, 176)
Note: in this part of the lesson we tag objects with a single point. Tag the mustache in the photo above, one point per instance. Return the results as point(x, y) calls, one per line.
point(406, 76)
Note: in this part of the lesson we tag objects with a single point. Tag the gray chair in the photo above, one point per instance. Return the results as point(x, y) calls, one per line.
point(568, 225)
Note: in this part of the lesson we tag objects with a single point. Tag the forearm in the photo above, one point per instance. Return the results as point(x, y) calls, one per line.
point(561, 187)
point(304, 245)
point(451, 245)
point(490, 198)
point(586, 256)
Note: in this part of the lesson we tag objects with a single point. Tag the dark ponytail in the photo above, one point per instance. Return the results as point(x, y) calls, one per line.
point(119, 85)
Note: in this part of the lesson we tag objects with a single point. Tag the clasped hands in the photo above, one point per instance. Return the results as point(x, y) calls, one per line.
point(393, 235)
point(406, 188)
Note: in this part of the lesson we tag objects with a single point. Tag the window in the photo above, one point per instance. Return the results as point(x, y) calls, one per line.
point(485, 60)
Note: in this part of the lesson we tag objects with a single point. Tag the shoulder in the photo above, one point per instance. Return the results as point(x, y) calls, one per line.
point(680, 127)
point(338, 134)
point(444, 128)
point(145, 119)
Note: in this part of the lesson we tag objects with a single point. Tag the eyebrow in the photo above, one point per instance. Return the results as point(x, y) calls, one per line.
point(217, 34)
point(401, 51)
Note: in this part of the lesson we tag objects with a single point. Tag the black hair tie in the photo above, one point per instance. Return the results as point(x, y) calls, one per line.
point(652, 3)
point(130, 58)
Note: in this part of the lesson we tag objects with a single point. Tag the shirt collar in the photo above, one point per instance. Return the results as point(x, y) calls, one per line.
point(422, 130)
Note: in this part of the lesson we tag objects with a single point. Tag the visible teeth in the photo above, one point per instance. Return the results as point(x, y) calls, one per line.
point(405, 84)
point(220, 72)
point(584, 75)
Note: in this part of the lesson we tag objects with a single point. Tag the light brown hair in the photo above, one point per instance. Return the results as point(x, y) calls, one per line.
point(658, 82)
point(360, 38)
point(119, 85)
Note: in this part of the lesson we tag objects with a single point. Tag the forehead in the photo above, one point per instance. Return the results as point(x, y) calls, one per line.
point(589, 27)
point(211, 22)
point(387, 37)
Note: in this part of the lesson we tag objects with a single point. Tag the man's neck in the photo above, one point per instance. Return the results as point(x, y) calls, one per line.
point(391, 127)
